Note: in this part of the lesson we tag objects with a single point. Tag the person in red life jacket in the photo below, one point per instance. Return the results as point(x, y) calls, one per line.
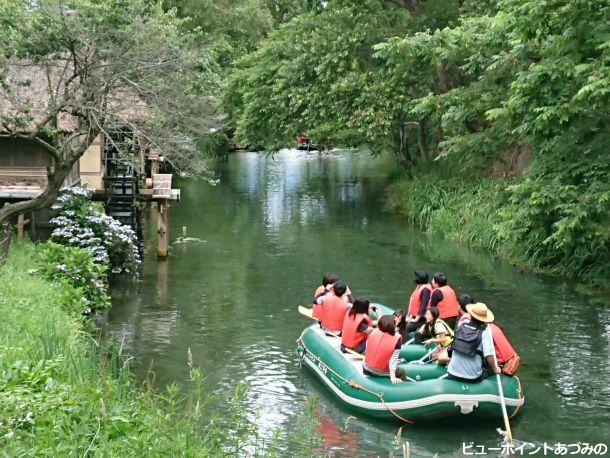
point(464, 300)
point(473, 342)
point(303, 139)
point(334, 307)
point(503, 347)
point(418, 303)
point(357, 325)
point(443, 296)
point(327, 283)
point(382, 351)
point(438, 332)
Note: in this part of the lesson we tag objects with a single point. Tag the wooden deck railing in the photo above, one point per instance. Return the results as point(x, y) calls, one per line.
point(5, 241)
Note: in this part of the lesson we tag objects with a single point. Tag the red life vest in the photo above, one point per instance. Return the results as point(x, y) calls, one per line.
point(379, 348)
point(333, 312)
point(415, 300)
point(317, 308)
point(504, 349)
point(350, 337)
point(449, 306)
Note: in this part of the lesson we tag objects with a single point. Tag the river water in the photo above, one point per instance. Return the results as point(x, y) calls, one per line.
point(266, 234)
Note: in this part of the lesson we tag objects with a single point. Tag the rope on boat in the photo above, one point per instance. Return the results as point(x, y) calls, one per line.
point(352, 383)
point(519, 392)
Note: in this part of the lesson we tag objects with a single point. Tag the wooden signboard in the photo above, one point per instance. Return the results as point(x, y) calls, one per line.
point(162, 186)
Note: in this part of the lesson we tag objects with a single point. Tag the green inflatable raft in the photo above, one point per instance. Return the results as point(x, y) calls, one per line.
point(428, 395)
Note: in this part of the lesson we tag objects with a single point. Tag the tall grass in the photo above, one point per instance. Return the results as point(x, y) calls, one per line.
point(63, 395)
point(465, 212)
point(482, 214)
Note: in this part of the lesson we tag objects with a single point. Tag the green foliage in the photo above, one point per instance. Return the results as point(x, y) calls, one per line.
point(75, 270)
point(519, 219)
point(62, 394)
point(309, 75)
point(80, 222)
point(460, 85)
point(559, 219)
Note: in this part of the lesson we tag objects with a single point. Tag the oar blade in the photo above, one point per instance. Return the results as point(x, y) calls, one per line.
point(307, 312)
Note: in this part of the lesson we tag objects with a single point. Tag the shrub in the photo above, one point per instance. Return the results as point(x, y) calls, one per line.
point(82, 223)
point(75, 267)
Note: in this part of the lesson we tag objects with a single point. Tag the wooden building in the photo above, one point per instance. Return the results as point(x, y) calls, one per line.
point(23, 175)
point(115, 177)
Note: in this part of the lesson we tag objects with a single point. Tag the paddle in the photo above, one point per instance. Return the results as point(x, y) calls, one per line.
point(509, 434)
point(309, 314)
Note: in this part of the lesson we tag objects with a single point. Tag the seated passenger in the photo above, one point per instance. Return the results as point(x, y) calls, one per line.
point(382, 351)
point(440, 333)
point(473, 342)
point(334, 307)
point(506, 355)
point(327, 283)
point(357, 325)
point(400, 321)
point(418, 303)
point(464, 300)
point(443, 296)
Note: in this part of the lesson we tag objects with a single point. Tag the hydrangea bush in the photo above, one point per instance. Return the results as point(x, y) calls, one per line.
point(82, 223)
point(75, 267)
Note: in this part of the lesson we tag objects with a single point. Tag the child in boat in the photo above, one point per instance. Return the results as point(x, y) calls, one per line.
point(464, 300)
point(382, 351)
point(357, 325)
point(334, 308)
point(440, 333)
point(400, 321)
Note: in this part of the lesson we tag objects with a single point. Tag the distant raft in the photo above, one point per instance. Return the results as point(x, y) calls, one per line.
point(428, 396)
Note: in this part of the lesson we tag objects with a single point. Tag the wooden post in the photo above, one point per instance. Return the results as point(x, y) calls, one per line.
point(21, 222)
point(162, 193)
point(162, 228)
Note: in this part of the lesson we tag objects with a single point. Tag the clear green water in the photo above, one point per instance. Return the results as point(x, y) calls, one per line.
point(270, 229)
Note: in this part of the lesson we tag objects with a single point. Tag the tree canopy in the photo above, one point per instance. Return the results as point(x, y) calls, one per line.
point(470, 87)
point(72, 70)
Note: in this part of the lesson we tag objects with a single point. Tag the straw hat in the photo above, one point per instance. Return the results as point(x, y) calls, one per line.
point(479, 311)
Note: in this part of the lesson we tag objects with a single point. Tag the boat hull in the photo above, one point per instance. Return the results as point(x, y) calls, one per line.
point(427, 398)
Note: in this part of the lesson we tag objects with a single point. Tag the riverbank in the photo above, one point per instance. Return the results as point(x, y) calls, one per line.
point(63, 393)
point(496, 216)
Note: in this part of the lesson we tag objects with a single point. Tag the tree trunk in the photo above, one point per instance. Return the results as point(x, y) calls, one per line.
point(400, 144)
point(422, 141)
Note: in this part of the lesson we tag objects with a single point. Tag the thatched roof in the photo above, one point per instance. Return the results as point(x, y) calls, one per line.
point(29, 90)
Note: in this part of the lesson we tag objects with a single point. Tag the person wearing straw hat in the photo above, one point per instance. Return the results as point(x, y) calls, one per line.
point(473, 342)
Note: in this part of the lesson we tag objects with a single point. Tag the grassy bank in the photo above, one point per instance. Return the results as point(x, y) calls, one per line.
point(62, 395)
point(527, 228)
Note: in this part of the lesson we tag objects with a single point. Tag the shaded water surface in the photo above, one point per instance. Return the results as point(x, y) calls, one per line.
point(270, 229)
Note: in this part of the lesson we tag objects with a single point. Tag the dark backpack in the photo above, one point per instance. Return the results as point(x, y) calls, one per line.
point(467, 338)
